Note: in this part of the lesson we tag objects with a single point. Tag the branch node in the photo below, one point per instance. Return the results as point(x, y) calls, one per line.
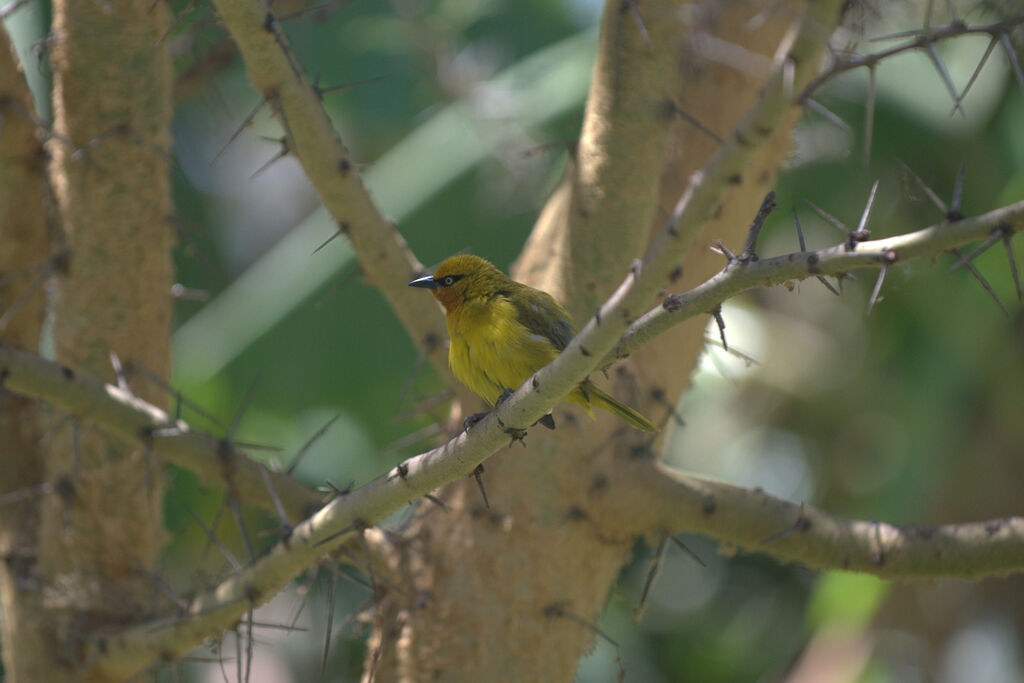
point(720, 248)
point(708, 507)
point(65, 488)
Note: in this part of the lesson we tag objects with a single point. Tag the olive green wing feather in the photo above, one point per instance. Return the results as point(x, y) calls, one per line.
point(538, 312)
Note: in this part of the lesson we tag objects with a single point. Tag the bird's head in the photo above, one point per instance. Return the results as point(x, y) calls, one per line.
point(460, 278)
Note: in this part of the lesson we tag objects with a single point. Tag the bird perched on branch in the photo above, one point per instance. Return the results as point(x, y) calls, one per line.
point(503, 331)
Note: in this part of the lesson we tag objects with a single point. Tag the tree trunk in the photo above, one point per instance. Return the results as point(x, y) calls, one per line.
point(511, 592)
point(100, 530)
point(25, 268)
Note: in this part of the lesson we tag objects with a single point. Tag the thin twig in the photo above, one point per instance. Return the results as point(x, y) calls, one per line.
point(236, 512)
point(309, 444)
point(862, 233)
point(981, 280)
point(717, 313)
point(36, 285)
point(177, 21)
point(330, 620)
point(682, 546)
point(803, 250)
point(749, 252)
point(828, 114)
point(692, 120)
point(931, 194)
point(428, 432)
point(314, 8)
point(995, 237)
point(249, 642)
point(350, 85)
point(212, 538)
point(977, 71)
point(238, 131)
point(559, 610)
point(946, 79)
point(869, 118)
point(478, 475)
point(1013, 263)
point(955, 213)
point(1004, 39)
point(921, 40)
point(829, 218)
point(273, 494)
point(652, 572)
point(878, 288)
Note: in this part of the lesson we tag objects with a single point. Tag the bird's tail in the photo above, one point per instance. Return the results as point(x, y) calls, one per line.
point(602, 400)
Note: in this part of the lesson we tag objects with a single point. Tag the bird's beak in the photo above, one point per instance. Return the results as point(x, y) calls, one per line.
point(427, 282)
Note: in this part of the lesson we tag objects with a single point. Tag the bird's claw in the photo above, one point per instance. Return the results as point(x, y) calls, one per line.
point(515, 433)
point(473, 419)
point(476, 417)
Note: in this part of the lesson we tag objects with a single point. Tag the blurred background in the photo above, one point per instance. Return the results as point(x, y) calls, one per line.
point(461, 112)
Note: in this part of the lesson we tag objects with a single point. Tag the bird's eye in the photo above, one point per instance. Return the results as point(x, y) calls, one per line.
point(448, 281)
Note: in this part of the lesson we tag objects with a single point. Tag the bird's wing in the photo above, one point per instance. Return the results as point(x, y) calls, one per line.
point(543, 316)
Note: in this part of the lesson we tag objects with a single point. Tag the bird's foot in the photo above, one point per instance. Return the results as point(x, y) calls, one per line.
point(473, 419)
point(514, 432)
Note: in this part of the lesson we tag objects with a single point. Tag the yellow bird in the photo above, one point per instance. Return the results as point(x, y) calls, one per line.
point(503, 331)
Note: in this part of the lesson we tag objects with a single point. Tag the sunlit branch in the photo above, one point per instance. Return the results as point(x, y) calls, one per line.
point(662, 500)
point(119, 412)
point(386, 261)
point(739, 277)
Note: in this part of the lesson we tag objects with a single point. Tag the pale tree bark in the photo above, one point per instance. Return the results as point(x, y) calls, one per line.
point(644, 498)
point(101, 529)
point(506, 593)
point(25, 267)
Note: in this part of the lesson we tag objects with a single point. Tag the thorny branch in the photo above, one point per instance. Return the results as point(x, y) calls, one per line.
point(386, 261)
point(128, 416)
point(994, 547)
point(124, 414)
point(668, 501)
point(353, 512)
point(921, 40)
point(663, 500)
point(739, 277)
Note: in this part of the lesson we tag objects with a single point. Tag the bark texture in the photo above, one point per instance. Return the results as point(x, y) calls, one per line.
point(24, 270)
point(717, 93)
point(510, 592)
point(110, 155)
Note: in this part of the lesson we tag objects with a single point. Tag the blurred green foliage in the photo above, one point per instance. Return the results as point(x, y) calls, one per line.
point(907, 415)
point(911, 414)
